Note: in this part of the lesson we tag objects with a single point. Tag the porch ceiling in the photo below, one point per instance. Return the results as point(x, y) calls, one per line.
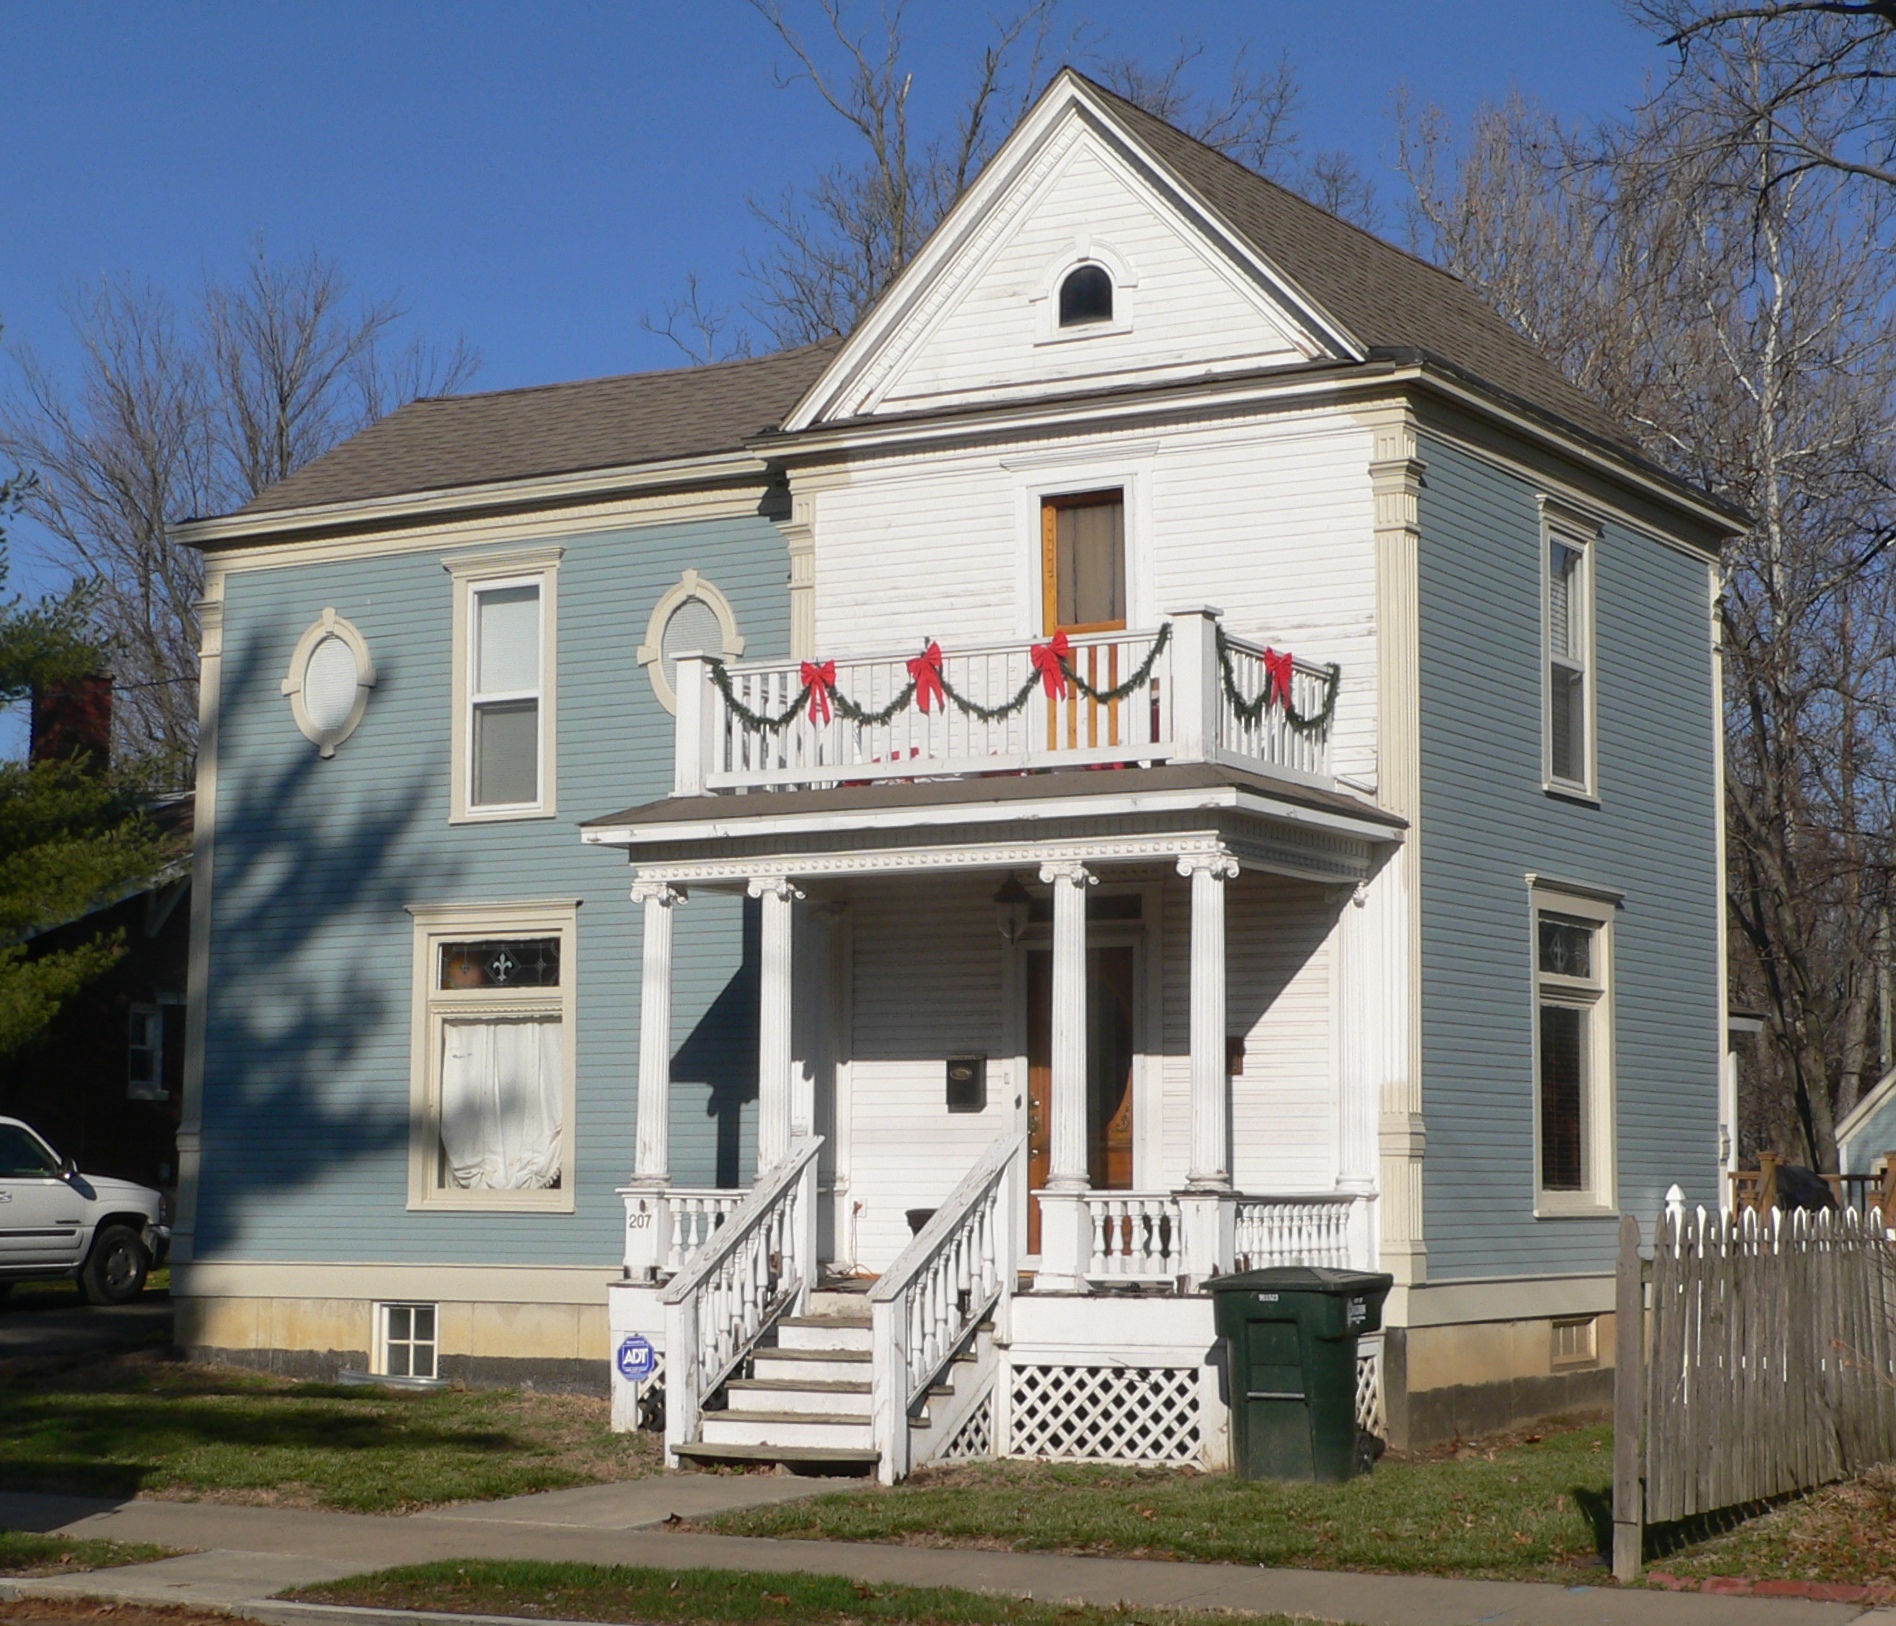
point(1127, 815)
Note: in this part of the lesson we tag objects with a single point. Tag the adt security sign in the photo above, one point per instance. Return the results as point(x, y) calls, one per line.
point(637, 1359)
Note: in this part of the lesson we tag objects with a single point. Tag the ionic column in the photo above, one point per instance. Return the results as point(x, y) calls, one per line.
point(774, 1002)
point(651, 1162)
point(1210, 1168)
point(1066, 1233)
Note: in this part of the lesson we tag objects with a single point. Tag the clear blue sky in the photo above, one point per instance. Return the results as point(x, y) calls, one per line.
point(534, 177)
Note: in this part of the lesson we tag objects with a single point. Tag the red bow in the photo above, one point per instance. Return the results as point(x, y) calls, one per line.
point(925, 669)
point(819, 680)
point(1048, 659)
point(1278, 670)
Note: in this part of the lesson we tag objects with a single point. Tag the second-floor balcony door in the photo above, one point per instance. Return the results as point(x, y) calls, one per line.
point(1082, 590)
point(1110, 980)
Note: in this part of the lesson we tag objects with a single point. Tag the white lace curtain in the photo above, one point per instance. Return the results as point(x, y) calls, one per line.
point(501, 1097)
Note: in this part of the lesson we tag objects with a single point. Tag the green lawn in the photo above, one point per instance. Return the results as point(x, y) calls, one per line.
point(1534, 1508)
point(595, 1592)
point(23, 1554)
point(140, 1423)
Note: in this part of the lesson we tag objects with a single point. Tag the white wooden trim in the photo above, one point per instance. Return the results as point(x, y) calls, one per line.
point(210, 611)
point(651, 653)
point(485, 571)
point(621, 485)
point(438, 922)
point(328, 625)
point(1084, 250)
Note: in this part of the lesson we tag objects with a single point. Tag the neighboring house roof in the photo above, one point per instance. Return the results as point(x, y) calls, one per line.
point(1388, 299)
point(441, 442)
point(1859, 1115)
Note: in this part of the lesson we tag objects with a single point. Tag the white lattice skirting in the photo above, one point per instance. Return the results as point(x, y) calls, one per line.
point(1369, 1388)
point(974, 1440)
point(1104, 1413)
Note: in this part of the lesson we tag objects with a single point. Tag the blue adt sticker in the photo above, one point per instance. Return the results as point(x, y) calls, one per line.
point(637, 1359)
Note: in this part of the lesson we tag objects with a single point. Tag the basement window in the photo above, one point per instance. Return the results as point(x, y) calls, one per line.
point(407, 1341)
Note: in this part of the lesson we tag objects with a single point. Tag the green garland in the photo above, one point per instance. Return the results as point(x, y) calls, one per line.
point(1249, 711)
point(767, 723)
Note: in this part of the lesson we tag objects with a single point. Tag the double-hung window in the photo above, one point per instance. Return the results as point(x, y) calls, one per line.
point(1573, 1051)
point(504, 685)
point(1569, 755)
point(492, 1061)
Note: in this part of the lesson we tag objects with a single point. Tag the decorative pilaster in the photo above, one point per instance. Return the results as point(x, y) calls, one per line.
point(1066, 1232)
point(800, 537)
point(774, 1003)
point(1392, 923)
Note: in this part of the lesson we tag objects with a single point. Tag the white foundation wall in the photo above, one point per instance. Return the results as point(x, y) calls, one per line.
point(1280, 968)
point(927, 973)
point(1269, 518)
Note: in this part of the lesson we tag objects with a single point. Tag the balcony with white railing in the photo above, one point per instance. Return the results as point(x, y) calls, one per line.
point(1185, 691)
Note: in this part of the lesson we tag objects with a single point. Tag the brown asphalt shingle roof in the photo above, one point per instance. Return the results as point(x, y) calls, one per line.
point(1394, 304)
point(1388, 299)
point(446, 441)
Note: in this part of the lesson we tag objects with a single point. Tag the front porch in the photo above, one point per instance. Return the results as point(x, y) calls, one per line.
point(1030, 1041)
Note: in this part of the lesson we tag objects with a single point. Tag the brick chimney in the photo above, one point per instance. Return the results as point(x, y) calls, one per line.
point(74, 719)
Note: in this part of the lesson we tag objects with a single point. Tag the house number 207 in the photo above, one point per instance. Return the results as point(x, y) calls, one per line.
point(638, 1222)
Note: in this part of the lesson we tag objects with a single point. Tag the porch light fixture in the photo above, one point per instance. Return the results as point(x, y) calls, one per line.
point(1010, 908)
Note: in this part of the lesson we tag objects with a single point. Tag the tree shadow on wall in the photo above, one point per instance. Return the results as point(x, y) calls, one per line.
point(311, 975)
point(721, 1053)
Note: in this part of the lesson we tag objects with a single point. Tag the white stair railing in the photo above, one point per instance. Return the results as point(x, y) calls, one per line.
point(956, 1273)
point(760, 1263)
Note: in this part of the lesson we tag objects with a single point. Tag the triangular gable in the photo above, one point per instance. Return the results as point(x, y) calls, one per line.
point(969, 317)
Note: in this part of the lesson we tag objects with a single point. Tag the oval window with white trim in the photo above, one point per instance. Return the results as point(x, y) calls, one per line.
point(329, 681)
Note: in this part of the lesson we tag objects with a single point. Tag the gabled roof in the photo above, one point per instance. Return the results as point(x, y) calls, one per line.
point(1390, 300)
point(441, 442)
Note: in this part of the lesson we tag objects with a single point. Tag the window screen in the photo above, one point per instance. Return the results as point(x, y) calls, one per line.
point(1566, 653)
point(691, 628)
point(1562, 1083)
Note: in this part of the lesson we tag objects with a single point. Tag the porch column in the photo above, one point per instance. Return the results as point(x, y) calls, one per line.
point(774, 1004)
point(651, 1161)
point(1210, 1168)
point(1066, 1232)
point(1208, 1209)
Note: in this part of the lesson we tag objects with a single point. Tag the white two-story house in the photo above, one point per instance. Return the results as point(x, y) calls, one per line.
point(844, 887)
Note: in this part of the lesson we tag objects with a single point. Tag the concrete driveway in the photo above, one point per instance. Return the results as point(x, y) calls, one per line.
point(37, 1321)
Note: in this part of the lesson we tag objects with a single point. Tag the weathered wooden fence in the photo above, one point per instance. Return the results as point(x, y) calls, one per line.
point(1756, 1355)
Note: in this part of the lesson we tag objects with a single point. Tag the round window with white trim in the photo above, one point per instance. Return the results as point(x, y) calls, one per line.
point(691, 618)
point(329, 681)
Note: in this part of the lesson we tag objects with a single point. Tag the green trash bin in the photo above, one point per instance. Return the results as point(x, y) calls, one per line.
point(1290, 1336)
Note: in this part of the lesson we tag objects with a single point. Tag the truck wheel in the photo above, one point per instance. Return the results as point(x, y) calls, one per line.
point(114, 1272)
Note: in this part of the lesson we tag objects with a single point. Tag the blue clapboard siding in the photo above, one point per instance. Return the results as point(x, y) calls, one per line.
point(306, 1093)
point(1486, 822)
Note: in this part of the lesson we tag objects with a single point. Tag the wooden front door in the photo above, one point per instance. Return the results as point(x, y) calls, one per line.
point(1109, 1029)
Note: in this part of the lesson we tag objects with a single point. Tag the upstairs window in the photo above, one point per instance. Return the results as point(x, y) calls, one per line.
point(1083, 561)
point(1569, 661)
point(1086, 295)
point(503, 687)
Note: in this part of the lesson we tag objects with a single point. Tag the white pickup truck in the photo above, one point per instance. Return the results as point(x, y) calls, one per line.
point(58, 1223)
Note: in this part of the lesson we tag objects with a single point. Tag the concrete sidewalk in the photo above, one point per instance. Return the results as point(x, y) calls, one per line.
point(243, 1554)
